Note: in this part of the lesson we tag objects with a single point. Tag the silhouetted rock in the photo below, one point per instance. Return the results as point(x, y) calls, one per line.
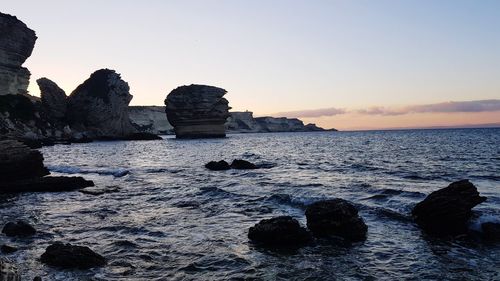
point(69, 256)
point(53, 98)
point(217, 165)
point(335, 217)
point(16, 44)
point(448, 210)
point(17, 161)
point(99, 106)
point(6, 249)
point(19, 228)
point(197, 111)
point(279, 232)
point(242, 165)
point(491, 231)
point(37, 278)
point(8, 271)
point(45, 184)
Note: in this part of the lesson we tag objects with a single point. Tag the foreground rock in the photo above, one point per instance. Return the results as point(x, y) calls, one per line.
point(197, 111)
point(8, 271)
point(19, 228)
point(69, 256)
point(242, 165)
point(17, 161)
point(45, 184)
point(448, 210)
point(16, 44)
point(279, 232)
point(336, 217)
point(217, 165)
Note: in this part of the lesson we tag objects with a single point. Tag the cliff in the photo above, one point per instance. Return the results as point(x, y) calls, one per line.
point(150, 119)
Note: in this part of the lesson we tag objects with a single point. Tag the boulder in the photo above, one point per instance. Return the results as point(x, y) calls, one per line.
point(19, 162)
point(336, 217)
point(447, 211)
point(100, 106)
point(197, 111)
point(217, 165)
point(53, 98)
point(69, 256)
point(16, 44)
point(6, 249)
point(279, 232)
point(19, 228)
point(242, 165)
point(45, 184)
point(8, 271)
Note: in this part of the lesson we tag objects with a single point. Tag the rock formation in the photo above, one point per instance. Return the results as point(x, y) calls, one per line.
point(19, 228)
point(447, 211)
point(16, 44)
point(217, 165)
point(279, 232)
point(69, 256)
point(197, 111)
point(100, 105)
point(53, 98)
point(150, 119)
point(239, 164)
point(335, 217)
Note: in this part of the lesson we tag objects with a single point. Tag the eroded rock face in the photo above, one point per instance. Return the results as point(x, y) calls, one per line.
point(336, 217)
point(19, 162)
point(197, 111)
point(279, 232)
point(100, 105)
point(69, 256)
point(16, 44)
point(53, 98)
point(447, 211)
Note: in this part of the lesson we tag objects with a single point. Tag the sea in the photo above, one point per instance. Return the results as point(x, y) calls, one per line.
point(172, 219)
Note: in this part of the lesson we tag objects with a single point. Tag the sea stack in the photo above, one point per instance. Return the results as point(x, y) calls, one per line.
point(197, 111)
point(16, 44)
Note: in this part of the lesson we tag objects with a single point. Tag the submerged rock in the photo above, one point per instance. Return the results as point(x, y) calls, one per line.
point(242, 165)
point(16, 44)
point(8, 271)
point(19, 162)
point(54, 99)
point(6, 249)
point(336, 217)
point(448, 210)
point(45, 184)
point(100, 105)
point(279, 232)
point(19, 228)
point(69, 256)
point(217, 165)
point(197, 111)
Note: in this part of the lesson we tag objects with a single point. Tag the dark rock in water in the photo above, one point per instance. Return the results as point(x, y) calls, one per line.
point(279, 232)
point(217, 166)
point(100, 105)
point(37, 278)
point(16, 44)
point(491, 231)
point(6, 249)
point(69, 256)
point(54, 99)
point(242, 165)
point(448, 210)
point(336, 217)
point(8, 271)
point(19, 228)
point(197, 111)
point(45, 184)
point(17, 161)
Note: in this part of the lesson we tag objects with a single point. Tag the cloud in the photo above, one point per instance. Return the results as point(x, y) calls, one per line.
point(444, 107)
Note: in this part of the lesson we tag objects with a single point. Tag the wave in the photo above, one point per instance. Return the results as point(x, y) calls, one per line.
point(117, 172)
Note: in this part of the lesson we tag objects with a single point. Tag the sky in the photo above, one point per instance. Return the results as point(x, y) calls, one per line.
point(340, 64)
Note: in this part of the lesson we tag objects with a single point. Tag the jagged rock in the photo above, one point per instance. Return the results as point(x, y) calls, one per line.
point(491, 231)
point(16, 44)
point(69, 256)
point(448, 210)
point(279, 232)
point(242, 165)
point(8, 271)
point(335, 217)
point(100, 105)
point(217, 165)
point(19, 162)
point(53, 98)
point(6, 249)
point(45, 184)
point(19, 228)
point(197, 111)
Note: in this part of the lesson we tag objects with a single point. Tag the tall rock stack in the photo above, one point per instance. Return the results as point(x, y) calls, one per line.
point(197, 111)
point(16, 44)
point(53, 98)
point(100, 105)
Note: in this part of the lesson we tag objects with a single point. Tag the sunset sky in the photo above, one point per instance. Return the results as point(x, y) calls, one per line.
point(343, 64)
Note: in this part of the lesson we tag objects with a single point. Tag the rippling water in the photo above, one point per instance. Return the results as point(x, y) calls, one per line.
point(172, 219)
